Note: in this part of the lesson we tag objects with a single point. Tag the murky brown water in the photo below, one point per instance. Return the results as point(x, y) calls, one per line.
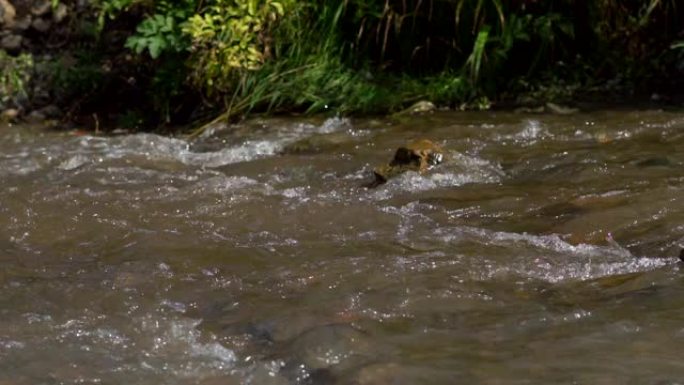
point(144, 259)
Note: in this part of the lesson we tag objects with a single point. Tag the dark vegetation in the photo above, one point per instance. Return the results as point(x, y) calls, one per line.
point(147, 63)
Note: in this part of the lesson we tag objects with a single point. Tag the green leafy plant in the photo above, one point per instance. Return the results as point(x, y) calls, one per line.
point(15, 75)
point(229, 36)
point(157, 34)
point(162, 31)
point(110, 9)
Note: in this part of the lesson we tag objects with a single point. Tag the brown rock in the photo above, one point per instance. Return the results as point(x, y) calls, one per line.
point(9, 115)
point(7, 13)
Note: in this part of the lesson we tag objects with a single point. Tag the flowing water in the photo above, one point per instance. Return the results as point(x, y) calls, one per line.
point(241, 258)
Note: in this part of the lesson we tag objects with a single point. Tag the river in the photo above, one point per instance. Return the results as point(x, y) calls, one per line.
point(241, 258)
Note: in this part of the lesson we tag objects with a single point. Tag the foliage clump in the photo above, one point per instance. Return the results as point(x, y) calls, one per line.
point(15, 76)
point(190, 59)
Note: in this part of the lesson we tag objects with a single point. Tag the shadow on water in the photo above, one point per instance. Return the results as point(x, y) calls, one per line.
point(542, 250)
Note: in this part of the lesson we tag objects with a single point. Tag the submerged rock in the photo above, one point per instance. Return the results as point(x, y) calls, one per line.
point(329, 349)
point(419, 156)
point(656, 161)
point(316, 143)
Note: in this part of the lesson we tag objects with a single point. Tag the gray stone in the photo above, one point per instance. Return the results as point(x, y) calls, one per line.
point(41, 25)
point(11, 42)
point(22, 24)
point(35, 117)
point(41, 8)
point(7, 13)
point(419, 107)
point(561, 110)
point(60, 13)
point(51, 111)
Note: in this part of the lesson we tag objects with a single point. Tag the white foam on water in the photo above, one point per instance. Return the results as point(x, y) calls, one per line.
point(73, 162)
point(245, 152)
point(177, 349)
point(546, 257)
point(222, 184)
point(161, 147)
point(532, 131)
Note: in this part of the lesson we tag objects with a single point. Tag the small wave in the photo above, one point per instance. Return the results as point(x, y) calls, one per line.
point(545, 257)
point(247, 151)
point(73, 162)
point(533, 130)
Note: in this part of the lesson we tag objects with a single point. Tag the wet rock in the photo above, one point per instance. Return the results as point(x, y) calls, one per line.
point(51, 111)
point(264, 374)
point(530, 110)
point(560, 110)
point(548, 107)
point(11, 43)
point(327, 346)
point(41, 25)
point(7, 13)
point(41, 8)
point(283, 329)
point(561, 210)
point(381, 374)
point(35, 117)
point(316, 143)
point(219, 380)
point(656, 161)
point(9, 115)
point(60, 13)
point(422, 106)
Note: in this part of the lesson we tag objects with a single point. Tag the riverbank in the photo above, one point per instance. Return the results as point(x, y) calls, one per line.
point(127, 64)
